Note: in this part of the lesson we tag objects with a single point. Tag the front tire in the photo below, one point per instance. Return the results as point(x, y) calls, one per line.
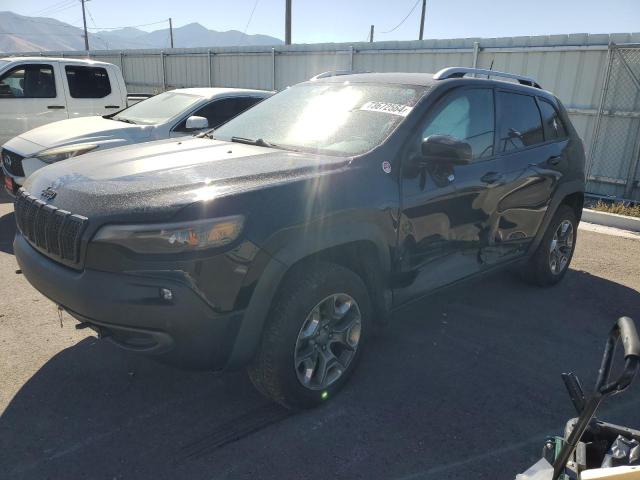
point(550, 262)
point(314, 336)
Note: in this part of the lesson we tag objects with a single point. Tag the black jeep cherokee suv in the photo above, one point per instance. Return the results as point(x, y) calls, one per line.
point(278, 240)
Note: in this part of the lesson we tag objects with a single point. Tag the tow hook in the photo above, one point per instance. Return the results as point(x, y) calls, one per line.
point(100, 331)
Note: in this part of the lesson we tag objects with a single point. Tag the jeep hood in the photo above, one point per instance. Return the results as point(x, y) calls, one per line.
point(97, 130)
point(158, 178)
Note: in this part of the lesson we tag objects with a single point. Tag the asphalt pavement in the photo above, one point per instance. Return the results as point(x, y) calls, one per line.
point(462, 385)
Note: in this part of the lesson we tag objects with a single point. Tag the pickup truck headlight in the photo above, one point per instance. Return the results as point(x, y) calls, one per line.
point(173, 237)
point(56, 154)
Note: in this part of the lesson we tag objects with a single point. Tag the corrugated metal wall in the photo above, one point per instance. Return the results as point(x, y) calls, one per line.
point(571, 66)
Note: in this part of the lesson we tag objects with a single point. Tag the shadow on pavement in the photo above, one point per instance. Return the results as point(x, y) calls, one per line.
point(462, 385)
point(7, 232)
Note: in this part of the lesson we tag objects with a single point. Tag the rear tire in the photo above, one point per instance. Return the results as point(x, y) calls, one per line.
point(315, 331)
point(550, 262)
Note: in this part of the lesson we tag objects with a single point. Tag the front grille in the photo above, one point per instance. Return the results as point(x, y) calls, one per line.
point(55, 232)
point(12, 162)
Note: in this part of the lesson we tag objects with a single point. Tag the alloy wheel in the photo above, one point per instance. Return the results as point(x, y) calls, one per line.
point(561, 247)
point(328, 341)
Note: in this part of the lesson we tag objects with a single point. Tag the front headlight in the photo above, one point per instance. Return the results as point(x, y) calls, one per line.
point(173, 237)
point(56, 154)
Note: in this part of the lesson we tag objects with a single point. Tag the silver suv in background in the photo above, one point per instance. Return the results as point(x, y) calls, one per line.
point(175, 113)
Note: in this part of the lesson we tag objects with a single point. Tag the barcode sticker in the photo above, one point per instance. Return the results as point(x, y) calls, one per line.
point(384, 107)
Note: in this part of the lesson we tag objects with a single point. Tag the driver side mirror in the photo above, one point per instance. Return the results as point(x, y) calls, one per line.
point(445, 149)
point(195, 122)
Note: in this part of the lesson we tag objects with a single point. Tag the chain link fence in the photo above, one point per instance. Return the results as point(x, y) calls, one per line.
point(615, 152)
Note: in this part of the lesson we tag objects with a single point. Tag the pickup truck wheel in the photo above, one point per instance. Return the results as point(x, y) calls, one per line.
point(314, 336)
point(550, 262)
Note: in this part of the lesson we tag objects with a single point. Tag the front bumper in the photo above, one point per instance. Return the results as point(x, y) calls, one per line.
point(128, 309)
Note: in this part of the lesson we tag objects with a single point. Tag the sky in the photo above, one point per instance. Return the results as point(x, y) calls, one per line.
point(349, 20)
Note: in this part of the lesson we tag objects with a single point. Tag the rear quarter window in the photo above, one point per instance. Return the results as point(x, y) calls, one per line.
point(88, 82)
point(553, 127)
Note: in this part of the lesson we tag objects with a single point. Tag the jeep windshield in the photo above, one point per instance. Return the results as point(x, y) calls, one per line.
point(157, 109)
point(329, 118)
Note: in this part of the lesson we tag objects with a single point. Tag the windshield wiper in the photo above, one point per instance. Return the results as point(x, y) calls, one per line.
point(125, 120)
point(260, 142)
point(207, 134)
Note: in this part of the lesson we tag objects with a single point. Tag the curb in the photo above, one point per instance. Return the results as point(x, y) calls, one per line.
point(611, 220)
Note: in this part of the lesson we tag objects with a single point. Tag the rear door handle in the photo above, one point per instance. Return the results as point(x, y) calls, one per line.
point(491, 177)
point(55, 107)
point(554, 160)
point(112, 106)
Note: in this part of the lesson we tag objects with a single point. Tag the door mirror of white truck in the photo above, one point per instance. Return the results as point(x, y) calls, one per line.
point(196, 123)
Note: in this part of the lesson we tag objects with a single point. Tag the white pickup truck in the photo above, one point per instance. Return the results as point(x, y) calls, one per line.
point(38, 90)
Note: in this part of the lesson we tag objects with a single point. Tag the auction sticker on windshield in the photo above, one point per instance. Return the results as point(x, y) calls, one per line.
point(384, 107)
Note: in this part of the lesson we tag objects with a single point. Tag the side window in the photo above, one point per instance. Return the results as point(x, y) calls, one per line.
point(224, 110)
point(520, 124)
point(87, 82)
point(553, 127)
point(28, 81)
point(469, 116)
point(218, 112)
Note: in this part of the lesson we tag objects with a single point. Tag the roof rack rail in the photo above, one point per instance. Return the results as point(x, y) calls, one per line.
point(459, 72)
point(331, 73)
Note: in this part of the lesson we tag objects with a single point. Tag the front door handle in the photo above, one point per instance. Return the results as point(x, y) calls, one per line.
point(554, 160)
point(112, 106)
point(491, 177)
point(55, 107)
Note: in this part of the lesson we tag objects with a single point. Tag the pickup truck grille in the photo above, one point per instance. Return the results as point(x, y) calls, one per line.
point(55, 232)
point(12, 162)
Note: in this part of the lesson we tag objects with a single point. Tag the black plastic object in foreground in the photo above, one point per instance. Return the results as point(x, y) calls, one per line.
point(625, 330)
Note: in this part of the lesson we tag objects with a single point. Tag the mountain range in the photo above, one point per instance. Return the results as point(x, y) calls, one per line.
point(19, 33)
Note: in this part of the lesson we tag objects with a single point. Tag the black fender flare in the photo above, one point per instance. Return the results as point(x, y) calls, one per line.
point(300, 243)
point(563, 190)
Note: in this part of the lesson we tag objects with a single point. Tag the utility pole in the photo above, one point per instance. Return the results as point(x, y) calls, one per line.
point(424, 10)
point(171, 31)
point(287, 23)
point(84, 21)
point(371, 35)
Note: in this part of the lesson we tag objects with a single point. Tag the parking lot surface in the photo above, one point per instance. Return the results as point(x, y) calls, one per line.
point(465, 384)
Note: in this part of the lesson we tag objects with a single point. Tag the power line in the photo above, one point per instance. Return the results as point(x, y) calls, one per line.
point(56, 23)
point(91, 16)
point(250, 16)
point(23, 34)
point(129, 26)
point(405, 18)
point(54, 7)
point(56, 11)
point(105, 42)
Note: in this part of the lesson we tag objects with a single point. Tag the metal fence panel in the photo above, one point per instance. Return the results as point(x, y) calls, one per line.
point(251, 70)
point(143, 73)
point(293, 67)
point(186, 70)
point(615, 148)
